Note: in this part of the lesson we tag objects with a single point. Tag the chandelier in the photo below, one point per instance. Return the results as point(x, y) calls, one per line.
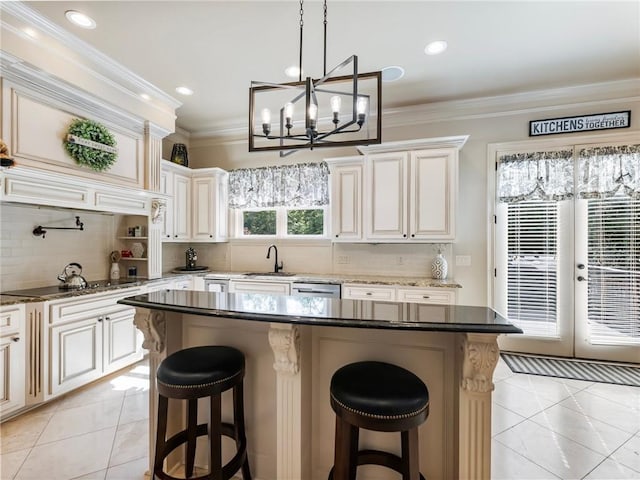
point(342, 108)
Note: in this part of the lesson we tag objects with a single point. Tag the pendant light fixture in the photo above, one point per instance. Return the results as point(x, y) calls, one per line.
point(342, 108)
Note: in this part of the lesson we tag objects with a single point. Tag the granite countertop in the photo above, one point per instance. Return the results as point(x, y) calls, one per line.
point(54, 292)
point(323, 311)
point(339, 278)
point(40, 294)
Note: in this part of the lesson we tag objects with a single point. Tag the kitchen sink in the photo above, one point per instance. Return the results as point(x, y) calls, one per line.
point(270, 274)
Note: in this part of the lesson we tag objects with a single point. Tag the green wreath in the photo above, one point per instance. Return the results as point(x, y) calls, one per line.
point(91, 144)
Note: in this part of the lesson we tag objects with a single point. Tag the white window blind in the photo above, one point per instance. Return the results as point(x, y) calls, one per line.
point(614, 270)
point(532, 266)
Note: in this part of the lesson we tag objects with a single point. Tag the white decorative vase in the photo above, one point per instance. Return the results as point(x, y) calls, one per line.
point(114, 273)
point(137, 249)
point(439, 267)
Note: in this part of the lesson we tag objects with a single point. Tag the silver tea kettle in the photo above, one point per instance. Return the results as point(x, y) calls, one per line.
point(71, 277)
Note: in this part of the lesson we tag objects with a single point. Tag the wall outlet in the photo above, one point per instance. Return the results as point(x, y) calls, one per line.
point(463, 260)
point(344, 259)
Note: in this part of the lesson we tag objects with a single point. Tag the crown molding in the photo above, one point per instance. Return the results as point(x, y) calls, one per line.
point(99, 64)
point(476, 108)
point(418, 144)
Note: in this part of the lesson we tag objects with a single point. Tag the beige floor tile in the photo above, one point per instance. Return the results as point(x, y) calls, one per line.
point(23, 431)
point(622, 394)
point(135, 408)
point(507, 464)
point(83, 419)
point(95, 393)
point(131, 443)
point(604, 410)
point(10, 463)
point(612, 470)
point(629, 454)
point(133, 470)
point(99, 475)
point(541, 386)
point(592, 433)
point(502, 419)
point(69, 458)
point(518, 400)
point(553, 452)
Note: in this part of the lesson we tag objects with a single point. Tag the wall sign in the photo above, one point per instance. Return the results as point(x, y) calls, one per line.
point(580, 123)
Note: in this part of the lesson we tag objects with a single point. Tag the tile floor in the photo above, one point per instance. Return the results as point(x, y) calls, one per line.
point(543, 428)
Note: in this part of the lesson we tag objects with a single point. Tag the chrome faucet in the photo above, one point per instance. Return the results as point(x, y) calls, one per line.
point(276, 267)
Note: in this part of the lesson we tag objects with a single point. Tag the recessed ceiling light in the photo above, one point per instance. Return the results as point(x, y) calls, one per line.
point(292, 72)
point(436, 47)
point(145, 96)
point(80, 19)
point(184, 90)
point(393, 73)
point(31, 32)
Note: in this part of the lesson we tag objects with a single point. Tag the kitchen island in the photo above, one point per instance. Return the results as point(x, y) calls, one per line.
point(294, 344)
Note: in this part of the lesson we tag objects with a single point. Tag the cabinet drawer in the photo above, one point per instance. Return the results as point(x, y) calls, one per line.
point(10, 318)
point(86, 305)
point(422, 295)
point(260, 287)
point(369, 292)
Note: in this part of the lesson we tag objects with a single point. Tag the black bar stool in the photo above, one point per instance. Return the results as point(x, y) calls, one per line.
point(382, 397)
point(190, 374)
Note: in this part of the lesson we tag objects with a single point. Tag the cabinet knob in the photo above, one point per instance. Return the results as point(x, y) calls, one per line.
point(581, 278)
point(426, 296)
point(369, 293)
point(107, 318)
point(100, 319)
point(404, 235)
point(413, 235)
point(16, 339)
point(176, 236)
point(336, 235)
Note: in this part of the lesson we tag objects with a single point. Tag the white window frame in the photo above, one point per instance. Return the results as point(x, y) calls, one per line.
point(281, 223)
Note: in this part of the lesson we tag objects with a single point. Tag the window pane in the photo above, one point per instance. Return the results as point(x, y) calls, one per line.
point(262, 222)
point(305, 222)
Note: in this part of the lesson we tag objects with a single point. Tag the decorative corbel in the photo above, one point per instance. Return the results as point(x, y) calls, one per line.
point(152, 324)
point(285, 343)
point(479, 361)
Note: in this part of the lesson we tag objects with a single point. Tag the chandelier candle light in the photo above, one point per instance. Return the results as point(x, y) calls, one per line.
point(322, 123)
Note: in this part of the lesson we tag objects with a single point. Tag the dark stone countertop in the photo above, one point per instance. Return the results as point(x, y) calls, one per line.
point(325, 311)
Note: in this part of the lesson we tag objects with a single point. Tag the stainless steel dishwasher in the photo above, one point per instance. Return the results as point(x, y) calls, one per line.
point(332, 290)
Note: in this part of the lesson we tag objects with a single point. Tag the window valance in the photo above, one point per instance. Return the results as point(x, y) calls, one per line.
point(606, 171)
point(536, 175)
point(299, 185)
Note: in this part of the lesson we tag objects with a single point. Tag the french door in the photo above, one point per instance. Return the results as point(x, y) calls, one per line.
point(567, 268)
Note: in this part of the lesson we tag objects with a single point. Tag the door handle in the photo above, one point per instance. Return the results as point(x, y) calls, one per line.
point(581, 278)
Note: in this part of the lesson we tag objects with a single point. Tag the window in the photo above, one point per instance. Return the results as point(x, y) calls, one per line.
point(281, 222)
point(284, 201)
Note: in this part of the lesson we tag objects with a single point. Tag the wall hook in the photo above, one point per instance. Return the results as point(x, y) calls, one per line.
point(40, 230)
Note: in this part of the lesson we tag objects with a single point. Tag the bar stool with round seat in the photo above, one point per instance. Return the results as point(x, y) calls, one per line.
point(382, 397)
point(191, 374)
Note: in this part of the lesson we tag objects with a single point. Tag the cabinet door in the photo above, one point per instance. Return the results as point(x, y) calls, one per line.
point(346, 202)
point(432, 198)
point(166, 186)
point(75, 356)
point(12, 360)
point(369, 292)
point(386, 196)
point(204, 200)
point(181, 207)
point(122, 341)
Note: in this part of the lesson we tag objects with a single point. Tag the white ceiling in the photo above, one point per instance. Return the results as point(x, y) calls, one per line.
point(495, 48)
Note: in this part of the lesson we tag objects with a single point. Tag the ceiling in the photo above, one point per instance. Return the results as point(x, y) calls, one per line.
point(495, 48)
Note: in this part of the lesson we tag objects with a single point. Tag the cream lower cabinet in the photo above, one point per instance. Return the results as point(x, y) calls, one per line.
point(88, 337)
point(12, 359)
point(259, 286)
point(399, 293)
point(197, 205)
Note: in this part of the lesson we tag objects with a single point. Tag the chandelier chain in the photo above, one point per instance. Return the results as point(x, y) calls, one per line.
point(324, 71)
point(300, 53)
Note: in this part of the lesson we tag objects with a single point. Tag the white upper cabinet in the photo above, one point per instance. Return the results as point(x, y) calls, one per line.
point(346, 198)
point(396, 192)
point(197, 205)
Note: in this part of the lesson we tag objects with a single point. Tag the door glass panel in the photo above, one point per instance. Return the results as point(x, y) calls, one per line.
point(614, 270)
point(532, 253)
